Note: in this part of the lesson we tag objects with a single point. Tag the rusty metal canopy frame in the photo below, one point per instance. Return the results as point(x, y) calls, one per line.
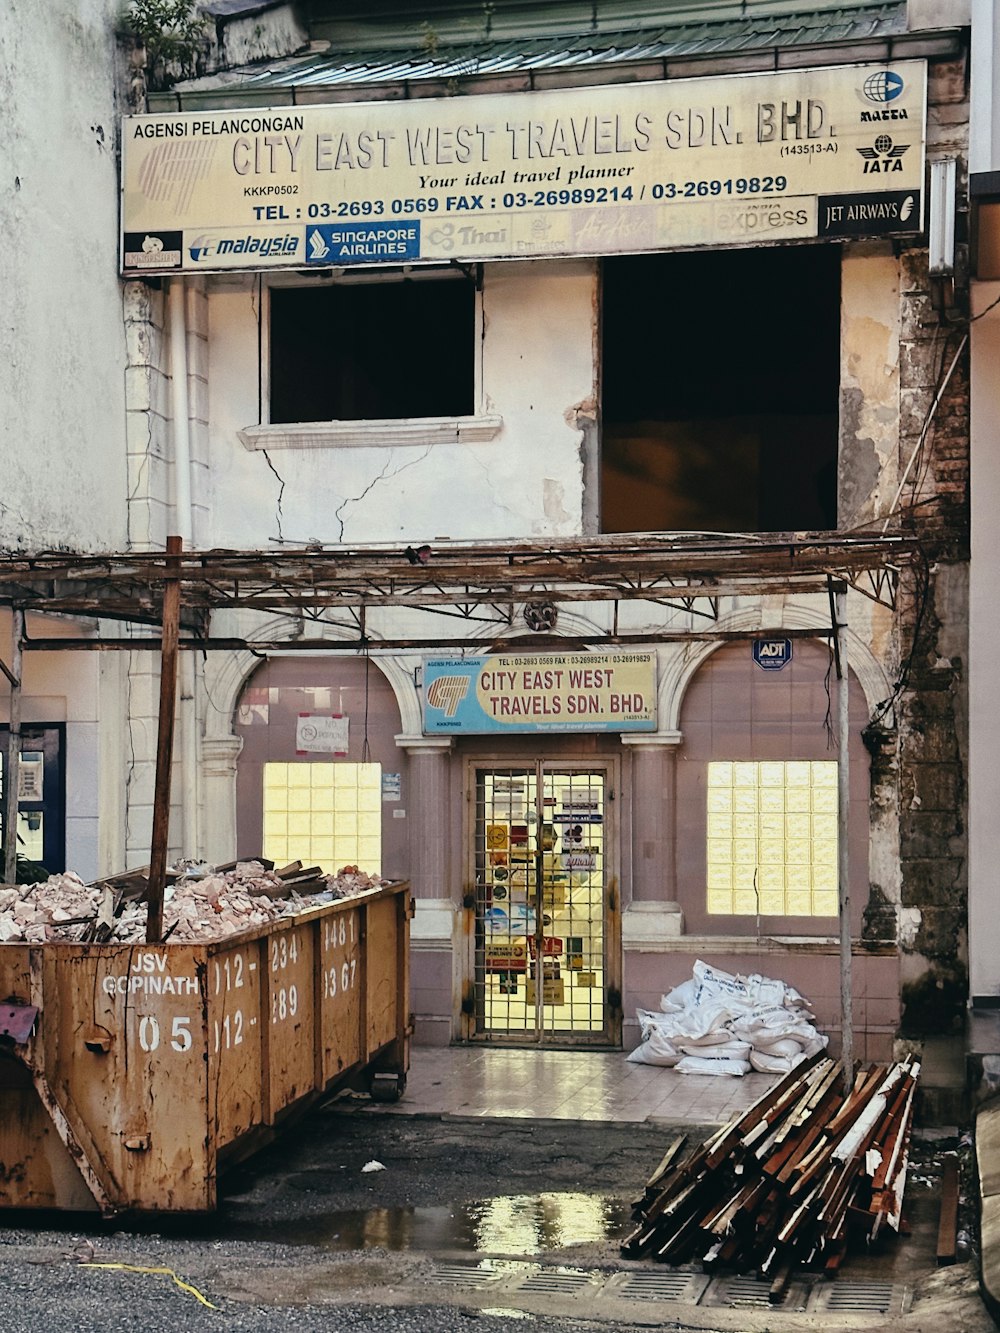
point(483, 583)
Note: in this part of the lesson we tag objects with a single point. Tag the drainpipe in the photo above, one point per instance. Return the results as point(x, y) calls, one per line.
point(183, 526)
point(843, 848)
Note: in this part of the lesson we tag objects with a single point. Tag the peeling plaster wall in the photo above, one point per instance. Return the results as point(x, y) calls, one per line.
point(537, 375)
point(869, 384)
point(61, 340)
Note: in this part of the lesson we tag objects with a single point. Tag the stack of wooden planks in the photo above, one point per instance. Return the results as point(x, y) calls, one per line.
point(787, 1184)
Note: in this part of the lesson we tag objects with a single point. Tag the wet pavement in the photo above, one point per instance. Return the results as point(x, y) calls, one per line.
point(484, 1209)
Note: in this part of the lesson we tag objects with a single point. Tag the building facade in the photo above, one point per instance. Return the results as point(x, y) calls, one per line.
point(439, 338)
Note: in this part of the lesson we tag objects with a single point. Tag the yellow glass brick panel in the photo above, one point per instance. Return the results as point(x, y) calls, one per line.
point(772, 775)
point(745, 775)
point(322, 823)
point(345, 798)
point(825, 853)
point(276, 850)
point(772, 852)
point(798, 800)
point(798, 774)
point(720, 850)
point(744, 851)
point(276, 776)
point(720, 903)
point(321, 851)
point(370, 824)
point(824, 774)
point(369, 856)
point(745, 826)
point(798, 826)
point(824, 828)
point(299, 825)
point(745, 800)
point(745, 903)
point(799, 904)
point(720, 826)
point(745, 878)
point(798, 851)
point(720, 774)
point(720, 799)
point(370, 778)
point(772, 799)
point(772, 902)
point(719, 877)
point(299, 776)
point(771, 825)
point(370, 801)
point(824, 878)
point(275, 824)
point(771, 879)
point(824, 800)
point(346, 824)
point(825, 904)
point(298, 798)
point(799, 877)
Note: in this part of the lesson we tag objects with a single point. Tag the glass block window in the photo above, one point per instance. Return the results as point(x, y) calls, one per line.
point(328, 815)
point(772, 838)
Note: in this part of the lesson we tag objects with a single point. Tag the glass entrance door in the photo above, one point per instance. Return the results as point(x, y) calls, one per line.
point(543, 870)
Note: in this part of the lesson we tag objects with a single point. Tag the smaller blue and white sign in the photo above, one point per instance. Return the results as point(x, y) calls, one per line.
point(772, 654)
point(331, 244)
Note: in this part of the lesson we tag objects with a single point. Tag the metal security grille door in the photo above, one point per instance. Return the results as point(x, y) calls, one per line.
point(542, 854)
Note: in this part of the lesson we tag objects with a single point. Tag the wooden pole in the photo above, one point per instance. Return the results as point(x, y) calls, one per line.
point(164, 743)
point(12, 772)
point(843, 845)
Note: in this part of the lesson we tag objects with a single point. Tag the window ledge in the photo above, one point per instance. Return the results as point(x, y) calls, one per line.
point(364, 434)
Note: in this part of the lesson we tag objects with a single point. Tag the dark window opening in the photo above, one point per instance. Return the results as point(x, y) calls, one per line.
point(721, 375)
point(373, 350)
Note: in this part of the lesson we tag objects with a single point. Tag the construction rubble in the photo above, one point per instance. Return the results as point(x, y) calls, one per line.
point(718, 1023)
point(200, 901)
point(790, 1183)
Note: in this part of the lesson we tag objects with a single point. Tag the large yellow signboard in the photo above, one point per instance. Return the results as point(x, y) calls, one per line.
point(583, 171)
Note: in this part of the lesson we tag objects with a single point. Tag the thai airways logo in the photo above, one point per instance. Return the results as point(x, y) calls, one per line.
point(883, 156)
point(883, 86)
point(447, 692)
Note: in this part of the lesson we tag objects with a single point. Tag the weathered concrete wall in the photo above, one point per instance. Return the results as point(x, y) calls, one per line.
point(62, 346)
point(537, 374)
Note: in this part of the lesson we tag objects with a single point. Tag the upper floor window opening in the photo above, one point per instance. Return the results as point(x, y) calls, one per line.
point(373, 347)
point(720, 390)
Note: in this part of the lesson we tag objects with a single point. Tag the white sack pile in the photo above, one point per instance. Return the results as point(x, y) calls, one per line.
point(718, 1023)
point(212, 904)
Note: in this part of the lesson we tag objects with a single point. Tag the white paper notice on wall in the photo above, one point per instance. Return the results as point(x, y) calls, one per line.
point(321, 733)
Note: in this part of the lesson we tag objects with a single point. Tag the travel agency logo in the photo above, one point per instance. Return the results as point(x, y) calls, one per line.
point(881, 90)
point(447, 692)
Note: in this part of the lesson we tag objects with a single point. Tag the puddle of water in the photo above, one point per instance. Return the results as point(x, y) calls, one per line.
point(519, 1224)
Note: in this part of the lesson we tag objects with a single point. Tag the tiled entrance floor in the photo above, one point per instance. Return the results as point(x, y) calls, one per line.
point(567, 1085)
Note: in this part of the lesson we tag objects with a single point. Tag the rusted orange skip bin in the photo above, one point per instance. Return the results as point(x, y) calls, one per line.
point(151, 1066)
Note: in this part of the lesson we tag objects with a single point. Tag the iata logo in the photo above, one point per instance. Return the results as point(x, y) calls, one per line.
point(447, 692)
point(883, 156)
point(883, 86)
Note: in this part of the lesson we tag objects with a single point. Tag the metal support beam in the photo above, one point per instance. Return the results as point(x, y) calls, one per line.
point(164, 750)
point(839, 596)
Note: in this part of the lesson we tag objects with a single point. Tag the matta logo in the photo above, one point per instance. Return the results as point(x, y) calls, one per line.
point(447, 692)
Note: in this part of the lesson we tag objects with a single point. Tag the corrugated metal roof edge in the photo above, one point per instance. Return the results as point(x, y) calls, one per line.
point(230, 91)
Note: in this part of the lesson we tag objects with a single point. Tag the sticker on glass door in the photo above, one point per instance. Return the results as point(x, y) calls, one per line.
point(540, 870)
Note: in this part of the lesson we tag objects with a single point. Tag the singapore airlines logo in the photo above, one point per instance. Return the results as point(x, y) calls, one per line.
point(447, 692)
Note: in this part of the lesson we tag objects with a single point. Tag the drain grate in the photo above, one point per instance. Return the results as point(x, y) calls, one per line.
point(858, 1297)
point(467, 1277)
point(686, 1287)
point(744, 1291)
point(551, 1280)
